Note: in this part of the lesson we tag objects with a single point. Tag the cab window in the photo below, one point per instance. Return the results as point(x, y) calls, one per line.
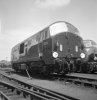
point(56, 46)
point(21, 48)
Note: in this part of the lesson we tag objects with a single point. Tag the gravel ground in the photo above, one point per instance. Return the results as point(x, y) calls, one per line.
point(81, 93)
point(78, 92)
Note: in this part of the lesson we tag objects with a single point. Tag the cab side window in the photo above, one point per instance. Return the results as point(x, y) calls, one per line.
point(56, 46)
point(21, 48)
point(47, 35)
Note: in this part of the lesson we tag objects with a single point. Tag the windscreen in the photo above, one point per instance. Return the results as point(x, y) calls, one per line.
point(87, 43)
point(58, 28)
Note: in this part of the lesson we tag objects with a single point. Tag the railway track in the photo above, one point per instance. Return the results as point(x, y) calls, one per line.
point(82, 81)
point(14, 88)
point(11, 92)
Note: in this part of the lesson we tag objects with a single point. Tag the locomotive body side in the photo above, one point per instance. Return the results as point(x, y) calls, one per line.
point(32, 52)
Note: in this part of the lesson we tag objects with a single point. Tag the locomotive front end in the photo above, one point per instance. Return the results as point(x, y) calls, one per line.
point(91, 50)
point(91, 56)
point(67, 46)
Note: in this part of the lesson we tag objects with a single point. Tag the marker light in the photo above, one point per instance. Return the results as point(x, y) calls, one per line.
point(82, 55)
point(55, 54)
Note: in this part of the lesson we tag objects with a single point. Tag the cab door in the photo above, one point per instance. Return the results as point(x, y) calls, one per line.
point(47, 51)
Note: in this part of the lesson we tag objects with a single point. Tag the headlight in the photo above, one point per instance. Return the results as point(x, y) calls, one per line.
point(95, 58)
point(82, 55)
point(55, 54)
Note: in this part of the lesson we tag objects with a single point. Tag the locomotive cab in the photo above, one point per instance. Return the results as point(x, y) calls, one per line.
point(66, 46)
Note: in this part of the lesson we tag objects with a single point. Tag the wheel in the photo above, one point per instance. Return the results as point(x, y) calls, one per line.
point(66, 67)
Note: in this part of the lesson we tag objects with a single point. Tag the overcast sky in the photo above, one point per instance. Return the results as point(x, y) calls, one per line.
point(20, 19)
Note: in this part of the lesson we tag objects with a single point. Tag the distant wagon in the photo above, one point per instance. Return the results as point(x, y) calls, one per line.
point(54, 49)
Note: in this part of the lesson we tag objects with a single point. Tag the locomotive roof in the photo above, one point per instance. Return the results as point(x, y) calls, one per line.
point(93, 42)
point(71, 28)
point(90, 43)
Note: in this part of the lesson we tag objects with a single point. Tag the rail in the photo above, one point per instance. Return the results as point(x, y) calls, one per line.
point(3, 96)
point(49, 94)
point(87, 82)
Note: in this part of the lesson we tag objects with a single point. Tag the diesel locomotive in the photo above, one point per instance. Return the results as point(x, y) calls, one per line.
point(55, 49)
point(90, 61)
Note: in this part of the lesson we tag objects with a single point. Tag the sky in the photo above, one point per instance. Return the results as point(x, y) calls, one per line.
point(19, 19)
